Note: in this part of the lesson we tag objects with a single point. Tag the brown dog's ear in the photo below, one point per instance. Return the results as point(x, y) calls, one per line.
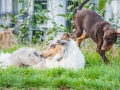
point(105, 27)
point(118, 34)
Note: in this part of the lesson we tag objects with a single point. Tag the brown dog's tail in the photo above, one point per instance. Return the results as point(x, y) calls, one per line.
point(83, 3)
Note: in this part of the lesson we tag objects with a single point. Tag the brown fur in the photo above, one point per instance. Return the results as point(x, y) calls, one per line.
point(83, 37)
point(65, 36)
point(52, 51)
point(100, 31)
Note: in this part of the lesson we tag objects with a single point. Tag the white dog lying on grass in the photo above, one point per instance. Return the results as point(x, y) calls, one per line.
point(62, 52)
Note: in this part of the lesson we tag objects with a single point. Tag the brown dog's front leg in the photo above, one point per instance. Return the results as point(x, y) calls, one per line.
point(105, 59)
point(102, 53)
point(73, 36)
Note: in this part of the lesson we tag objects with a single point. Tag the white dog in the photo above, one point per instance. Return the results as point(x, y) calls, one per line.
point(62, 52)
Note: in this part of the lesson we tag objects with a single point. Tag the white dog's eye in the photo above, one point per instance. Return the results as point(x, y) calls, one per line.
point(58, 41)
point(53, 46)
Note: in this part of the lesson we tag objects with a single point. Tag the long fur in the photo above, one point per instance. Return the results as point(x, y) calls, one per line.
point(4, 56)
point(70, 57)
point(21, 57)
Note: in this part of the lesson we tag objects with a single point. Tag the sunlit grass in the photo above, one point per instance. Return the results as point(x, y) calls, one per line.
point(95, 76)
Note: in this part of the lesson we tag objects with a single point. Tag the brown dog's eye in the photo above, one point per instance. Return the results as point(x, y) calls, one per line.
point(109, 39)
point(114, 34)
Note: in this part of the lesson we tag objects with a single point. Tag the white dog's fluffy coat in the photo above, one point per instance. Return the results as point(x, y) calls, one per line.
point(71, 57)
point(21, 57)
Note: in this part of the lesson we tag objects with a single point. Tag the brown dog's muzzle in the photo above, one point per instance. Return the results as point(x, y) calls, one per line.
point(106, 47)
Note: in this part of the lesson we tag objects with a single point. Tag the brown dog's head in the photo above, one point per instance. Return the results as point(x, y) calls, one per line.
point(109, 38)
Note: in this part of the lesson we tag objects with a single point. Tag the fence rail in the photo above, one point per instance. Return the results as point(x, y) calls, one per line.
point(55, 7)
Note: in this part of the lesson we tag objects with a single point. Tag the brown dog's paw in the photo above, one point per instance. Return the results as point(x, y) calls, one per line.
point(107, 63)
point(72, 35)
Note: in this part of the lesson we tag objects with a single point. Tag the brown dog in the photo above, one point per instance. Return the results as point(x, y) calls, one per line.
point(100, 31)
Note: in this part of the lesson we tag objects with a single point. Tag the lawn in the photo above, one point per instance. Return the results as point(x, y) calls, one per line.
point(95, 76)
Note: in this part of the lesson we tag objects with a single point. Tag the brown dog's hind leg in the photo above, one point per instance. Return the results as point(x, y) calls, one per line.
point(78, 28)
point(83, 37)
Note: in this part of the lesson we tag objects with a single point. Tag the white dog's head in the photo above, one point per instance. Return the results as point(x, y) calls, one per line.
point(64, 52)
point(59, 47)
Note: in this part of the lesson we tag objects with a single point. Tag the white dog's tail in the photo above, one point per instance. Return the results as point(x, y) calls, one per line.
point(4, 56)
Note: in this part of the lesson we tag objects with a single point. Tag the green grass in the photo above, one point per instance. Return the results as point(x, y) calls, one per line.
point(95, 76)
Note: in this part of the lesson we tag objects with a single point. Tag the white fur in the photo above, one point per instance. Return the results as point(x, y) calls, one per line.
point(71, 58)
point(21, 57)
point(4, 56)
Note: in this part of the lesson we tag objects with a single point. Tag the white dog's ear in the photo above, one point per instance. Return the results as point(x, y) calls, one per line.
point(65, 36)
